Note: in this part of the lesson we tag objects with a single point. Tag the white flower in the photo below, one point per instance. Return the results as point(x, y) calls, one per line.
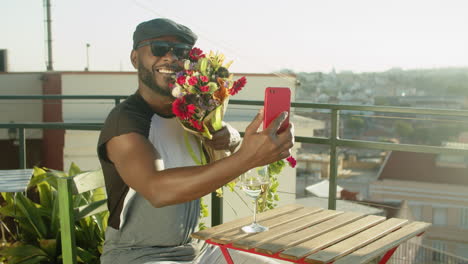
point(177, 91)
point(187, 64)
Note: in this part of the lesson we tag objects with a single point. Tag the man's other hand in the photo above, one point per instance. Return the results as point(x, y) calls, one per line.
point(227, 138)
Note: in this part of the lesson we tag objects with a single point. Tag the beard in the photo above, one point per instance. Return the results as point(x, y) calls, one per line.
point(147, 77)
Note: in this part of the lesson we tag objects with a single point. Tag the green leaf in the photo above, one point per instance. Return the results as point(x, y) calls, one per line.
point(10, 210)
point(231, 185)
point(32, 214)
point(74, 170)
point(216, 119)
point(38, 176)
point(54, 216)
point(57, 173)
point(8, 197)
point(276, 167)
point(49, 246)
point(52, 180)
point(90, 208)
point(201, 226)
point(85, 256)
point(219, 192)
point(45, 194)
point(99, 194)
point(23, 251)
point(33, 260)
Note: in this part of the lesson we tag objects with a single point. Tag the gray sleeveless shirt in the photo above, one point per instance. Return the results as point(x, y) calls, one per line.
point(146, 234)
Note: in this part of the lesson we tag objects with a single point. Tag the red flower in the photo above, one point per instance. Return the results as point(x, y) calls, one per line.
point(237, 86)
point(292, 161)
point(181, 80)
point(181, 109)
point(204, 78)
point(204, 88)
point(189, 72)
point(193, 80)
point(196, 124)
point(171, 85)
point(195, 54)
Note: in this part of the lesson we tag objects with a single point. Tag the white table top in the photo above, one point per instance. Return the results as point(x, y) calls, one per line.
point(15, 180)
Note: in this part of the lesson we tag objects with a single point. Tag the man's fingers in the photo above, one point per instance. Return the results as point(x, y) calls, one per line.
point(287, 134)
point(255, 124)
point(286, 138)
point(276, 123)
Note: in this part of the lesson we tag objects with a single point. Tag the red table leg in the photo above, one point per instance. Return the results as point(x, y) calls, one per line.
point(227, 256)
point(388, 255)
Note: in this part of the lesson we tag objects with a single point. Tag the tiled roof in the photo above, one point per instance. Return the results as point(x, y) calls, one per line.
point(421, 167)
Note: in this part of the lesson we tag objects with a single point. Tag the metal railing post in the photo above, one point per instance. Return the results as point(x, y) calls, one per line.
point(22, 148)
point(217, 210)
point(333, 159)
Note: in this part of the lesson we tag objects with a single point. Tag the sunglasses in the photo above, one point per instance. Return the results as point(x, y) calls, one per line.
point(161, 48)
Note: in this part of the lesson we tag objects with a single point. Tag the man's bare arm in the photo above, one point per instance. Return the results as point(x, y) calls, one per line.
point(136, 161)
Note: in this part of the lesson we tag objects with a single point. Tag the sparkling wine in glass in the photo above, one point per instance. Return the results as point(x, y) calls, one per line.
point(255, 183)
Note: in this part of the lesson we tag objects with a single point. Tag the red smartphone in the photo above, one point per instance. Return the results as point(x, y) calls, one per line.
point(277, 100)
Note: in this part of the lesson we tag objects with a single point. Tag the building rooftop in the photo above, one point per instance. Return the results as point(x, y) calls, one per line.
point(421, 167)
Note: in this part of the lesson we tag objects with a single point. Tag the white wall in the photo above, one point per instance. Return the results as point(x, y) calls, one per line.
point(21, 110)
point(94, 84)
point(80, 148)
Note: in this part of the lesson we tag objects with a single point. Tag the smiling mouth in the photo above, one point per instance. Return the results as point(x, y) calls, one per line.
point(165, 71)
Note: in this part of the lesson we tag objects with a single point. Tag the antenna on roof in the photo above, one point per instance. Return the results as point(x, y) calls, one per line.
point(48, 23)
point(87, 56)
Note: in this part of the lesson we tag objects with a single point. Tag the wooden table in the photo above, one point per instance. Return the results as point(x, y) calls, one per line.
point(315, 235)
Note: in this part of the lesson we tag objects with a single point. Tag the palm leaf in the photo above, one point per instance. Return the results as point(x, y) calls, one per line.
point(52, 180)
point(21, 251)
point(32, 214)
point(86, 256)
point(10, 210)
point(45, 194)
point(8, 197)
point(91, 207)
point(32, 260)
point(54, 216)
point(38, 176)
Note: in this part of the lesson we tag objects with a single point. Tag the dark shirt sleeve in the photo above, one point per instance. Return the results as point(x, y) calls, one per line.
point(124, 119)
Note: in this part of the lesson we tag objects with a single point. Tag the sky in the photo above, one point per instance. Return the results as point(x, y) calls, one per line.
point(261, 36)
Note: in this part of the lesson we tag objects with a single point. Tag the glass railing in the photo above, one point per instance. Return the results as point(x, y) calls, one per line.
point(333, 138)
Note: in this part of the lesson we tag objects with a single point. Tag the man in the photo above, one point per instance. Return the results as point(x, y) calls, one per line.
point(152, 183)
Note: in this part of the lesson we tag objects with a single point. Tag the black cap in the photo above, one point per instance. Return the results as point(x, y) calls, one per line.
point(162, 27)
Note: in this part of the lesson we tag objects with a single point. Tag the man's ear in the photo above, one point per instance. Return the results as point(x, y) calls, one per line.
point(134, 58)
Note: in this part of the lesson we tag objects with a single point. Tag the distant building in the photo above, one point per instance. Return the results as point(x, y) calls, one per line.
point(440, 102)
point(435, 192)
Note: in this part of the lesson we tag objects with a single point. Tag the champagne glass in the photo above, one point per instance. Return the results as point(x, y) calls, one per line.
point(254, 183)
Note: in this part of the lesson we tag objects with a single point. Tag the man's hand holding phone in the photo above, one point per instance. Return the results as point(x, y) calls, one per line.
point(276, 140)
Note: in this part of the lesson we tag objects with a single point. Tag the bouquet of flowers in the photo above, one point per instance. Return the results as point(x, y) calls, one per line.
point(202, 92)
